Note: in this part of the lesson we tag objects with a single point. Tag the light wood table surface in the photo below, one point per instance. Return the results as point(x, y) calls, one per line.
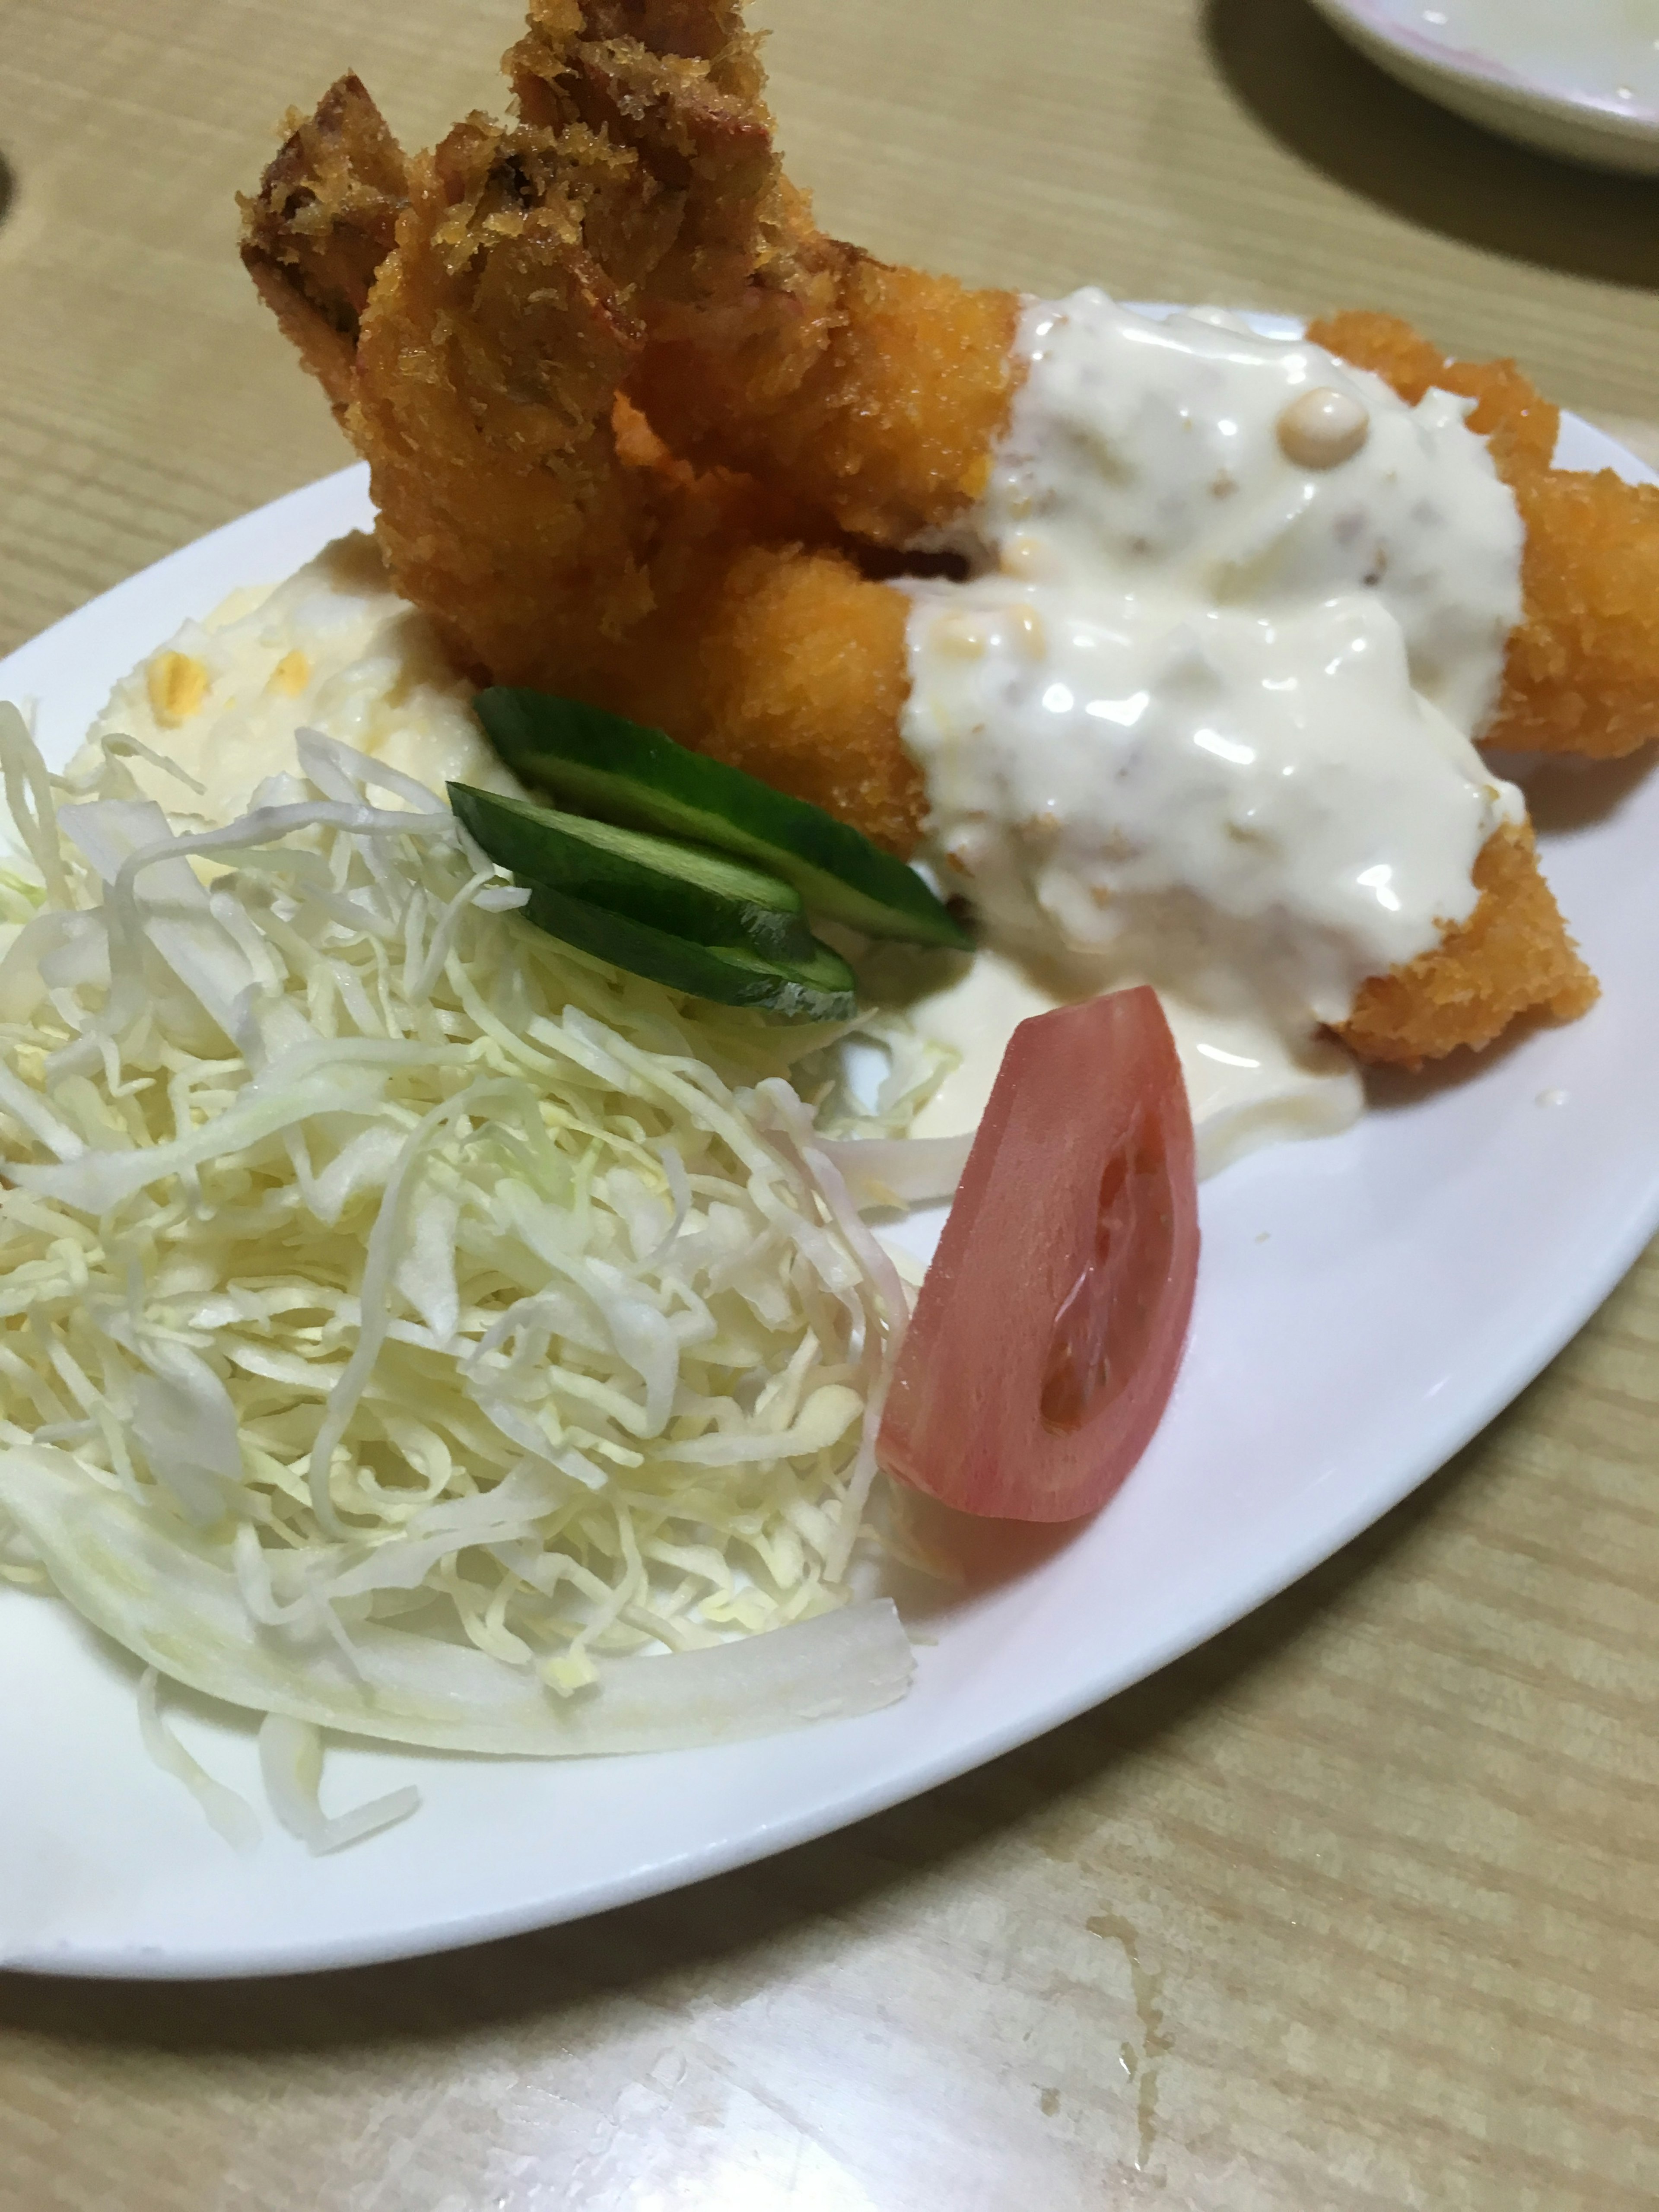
point(1354, 1908)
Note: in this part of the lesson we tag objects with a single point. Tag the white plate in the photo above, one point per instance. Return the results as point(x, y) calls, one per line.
point(1366, 1304)
point(1572, 105)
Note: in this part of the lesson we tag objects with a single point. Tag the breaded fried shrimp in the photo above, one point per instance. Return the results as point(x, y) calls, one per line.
point(627, 416)
point(485, 376)
point(871, 394)
point(545, 532)
point(1582, 670)
point(795, 664)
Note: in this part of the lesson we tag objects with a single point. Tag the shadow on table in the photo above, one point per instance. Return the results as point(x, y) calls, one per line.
point(1339, 113)
point(539, 1975)
point(8, 188)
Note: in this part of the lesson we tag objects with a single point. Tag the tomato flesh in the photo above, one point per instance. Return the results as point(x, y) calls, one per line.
point(1050, 1327)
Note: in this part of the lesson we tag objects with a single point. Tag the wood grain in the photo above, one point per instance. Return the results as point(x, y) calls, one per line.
point(1354, 1908)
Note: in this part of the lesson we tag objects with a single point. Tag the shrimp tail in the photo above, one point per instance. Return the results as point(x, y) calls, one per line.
point(320, 224)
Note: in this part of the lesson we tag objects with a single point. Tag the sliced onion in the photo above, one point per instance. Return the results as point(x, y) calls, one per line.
point(172, 1599)
point(228, 1815)
point(291, 1765)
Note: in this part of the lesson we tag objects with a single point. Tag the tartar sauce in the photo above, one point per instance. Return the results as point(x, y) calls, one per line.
point(1201, 715)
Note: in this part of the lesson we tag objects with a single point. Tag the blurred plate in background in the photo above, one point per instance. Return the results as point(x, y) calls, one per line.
point(1579, 80)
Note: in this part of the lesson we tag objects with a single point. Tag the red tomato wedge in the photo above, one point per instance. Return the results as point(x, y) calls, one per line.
point(1050, 1326)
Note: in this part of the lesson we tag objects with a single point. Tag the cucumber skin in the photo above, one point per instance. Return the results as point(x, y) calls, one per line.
point(539, 855)
point(695, 969)
point(588, 754)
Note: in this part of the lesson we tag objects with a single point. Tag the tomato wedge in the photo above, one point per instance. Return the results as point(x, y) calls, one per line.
point(1050, 1326)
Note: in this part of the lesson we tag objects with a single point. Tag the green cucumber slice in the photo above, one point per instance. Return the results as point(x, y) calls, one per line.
point(627, 773)
point(685, 890)
point(817, 990)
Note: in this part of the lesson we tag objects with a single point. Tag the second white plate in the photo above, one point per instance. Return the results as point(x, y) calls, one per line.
point(1560, 90)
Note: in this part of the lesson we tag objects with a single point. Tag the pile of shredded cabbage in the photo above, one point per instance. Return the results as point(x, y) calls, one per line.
point(406, 1322)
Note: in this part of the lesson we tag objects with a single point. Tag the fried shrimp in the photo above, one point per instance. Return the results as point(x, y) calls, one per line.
point(324, 220)
point(551, 538)
point(872, 395)
point(1583, 669)
point(637, 433)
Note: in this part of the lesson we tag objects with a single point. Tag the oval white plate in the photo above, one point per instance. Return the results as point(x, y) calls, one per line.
point(1544, 105)
point(1366, 1304)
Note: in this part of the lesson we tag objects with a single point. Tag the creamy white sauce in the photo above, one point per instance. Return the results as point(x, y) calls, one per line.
point(1606, 51)
point(1247, 1086)
point(1201, 718)
point(332, 648)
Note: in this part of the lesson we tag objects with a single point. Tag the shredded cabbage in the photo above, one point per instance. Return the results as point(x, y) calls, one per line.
point(367, 1257)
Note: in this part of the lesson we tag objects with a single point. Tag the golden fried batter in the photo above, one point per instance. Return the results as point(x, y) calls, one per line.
point(869, 394)
point(1511, 957)
point(485, 378)
point(1519, 423)
point(887, 428)
point(1582, 675)
point(545, 530)
point(791, 665)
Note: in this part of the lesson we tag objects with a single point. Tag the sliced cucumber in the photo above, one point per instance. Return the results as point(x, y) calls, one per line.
point(627, 773)
point(819, 988)
point(685, 890)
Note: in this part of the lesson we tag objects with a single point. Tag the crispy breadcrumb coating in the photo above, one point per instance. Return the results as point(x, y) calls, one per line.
point(1582, 674)
point(1512, 956)
point(869, 394)
point(795, 664)
point(321, 223)
point(485, 377)
point(1519, 423)
point(883, 416)
point(544, 528)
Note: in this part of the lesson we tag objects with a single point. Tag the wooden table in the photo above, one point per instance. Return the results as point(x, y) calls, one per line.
point(1356, 1907)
